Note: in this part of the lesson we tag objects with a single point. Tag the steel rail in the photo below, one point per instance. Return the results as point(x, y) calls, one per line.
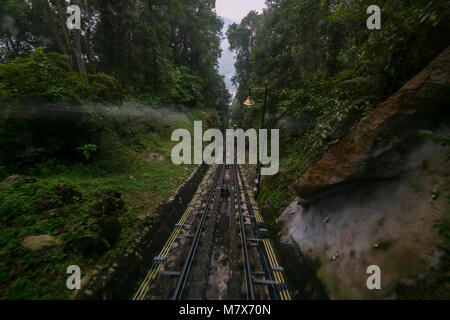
point(156, 266)
point(178, 293)
point(266, 253)
point(247, 268)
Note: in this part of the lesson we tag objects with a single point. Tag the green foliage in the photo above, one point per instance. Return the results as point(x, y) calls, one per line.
point(327, 70)
point(143, 183)
point(91, 109)
point(166, 50)
point(185, 87)
point(50, 81)
point(104, 88)
point(88, 149)
point(242, 40)
point(324, 64)
point(39, 77)
point(46, 77)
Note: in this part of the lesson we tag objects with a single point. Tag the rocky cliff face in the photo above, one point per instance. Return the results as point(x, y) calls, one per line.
point(371, 199)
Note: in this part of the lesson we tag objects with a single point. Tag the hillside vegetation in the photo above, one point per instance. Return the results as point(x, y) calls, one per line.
point(326, 71)
point(86, 118)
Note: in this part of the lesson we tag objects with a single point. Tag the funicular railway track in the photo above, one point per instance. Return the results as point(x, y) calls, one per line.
point(273, 272)
point(178, 293)
point(220, 238)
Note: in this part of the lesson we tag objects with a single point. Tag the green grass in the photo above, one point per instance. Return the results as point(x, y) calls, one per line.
point(143, 184)
point(297, 155)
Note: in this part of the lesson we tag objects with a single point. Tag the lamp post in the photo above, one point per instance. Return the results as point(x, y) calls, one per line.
point(249, 102)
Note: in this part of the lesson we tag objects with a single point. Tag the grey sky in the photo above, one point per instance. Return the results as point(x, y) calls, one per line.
point(238, 9)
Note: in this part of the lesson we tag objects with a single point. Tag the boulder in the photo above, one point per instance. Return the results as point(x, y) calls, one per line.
point(375, 147)
point(14, 179)
point(41, 242)
point(371, 199)
point(67, 194)
point(153, 156)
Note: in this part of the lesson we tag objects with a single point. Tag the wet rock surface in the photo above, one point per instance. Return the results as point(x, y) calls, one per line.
point(150, 156)
point(371, 200)
point(14, 180)
point(41, 242)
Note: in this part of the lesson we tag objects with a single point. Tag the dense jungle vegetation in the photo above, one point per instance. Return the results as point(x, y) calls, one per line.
point(326, 70)
point(85, 123)
point(86, 115)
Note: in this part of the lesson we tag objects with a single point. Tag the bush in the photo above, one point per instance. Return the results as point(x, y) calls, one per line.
point(40, 78)
point(105, 88)
point(185, 87)
point(41, 114)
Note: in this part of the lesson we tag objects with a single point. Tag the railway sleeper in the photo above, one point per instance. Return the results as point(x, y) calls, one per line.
point(264, 233)
point(170, 273)
point(254, 239)
point(159, 259)
point(278, 268)
point(185, 236)
point(181, 225)
point(265, 282)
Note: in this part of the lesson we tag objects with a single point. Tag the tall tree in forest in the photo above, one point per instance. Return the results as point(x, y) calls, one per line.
point(242, 40)
point(164, 49)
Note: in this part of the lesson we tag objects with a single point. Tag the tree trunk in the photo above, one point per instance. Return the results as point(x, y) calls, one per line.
point(54, 27)
point(78, 55)
point(74, 49)
point(88, 31)
point(63, 25)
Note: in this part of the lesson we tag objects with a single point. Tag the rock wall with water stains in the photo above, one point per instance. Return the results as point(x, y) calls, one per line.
point(371, 199)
